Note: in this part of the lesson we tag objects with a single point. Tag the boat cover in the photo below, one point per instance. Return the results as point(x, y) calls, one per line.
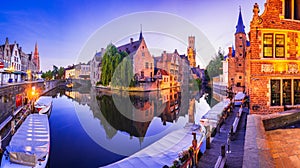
point(32, 138)
point(43, 101)
point(166, 150)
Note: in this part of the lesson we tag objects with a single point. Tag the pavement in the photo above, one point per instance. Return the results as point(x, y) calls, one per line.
point(235, 158)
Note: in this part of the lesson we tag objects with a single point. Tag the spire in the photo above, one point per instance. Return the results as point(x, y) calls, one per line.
point(36, 48)
point(141, 33)
point(240, 28)
point(36, 58)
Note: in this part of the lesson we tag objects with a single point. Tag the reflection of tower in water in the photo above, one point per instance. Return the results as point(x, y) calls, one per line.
point(191, 111)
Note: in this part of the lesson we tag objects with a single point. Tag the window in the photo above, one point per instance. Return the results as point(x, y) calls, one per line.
point(240, 77)
point(275, 92)
point(292, 9)
point(15, 52)
point(241, 46)
point(238, 84)
point(240, 64)
point(143, 53)
point(147, 65)
point(297, 91)
point(279, 45)
point(241, 54)
point(269, 45)
point(286, 92)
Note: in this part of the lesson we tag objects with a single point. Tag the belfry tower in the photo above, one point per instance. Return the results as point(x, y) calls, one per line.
point(191, 51)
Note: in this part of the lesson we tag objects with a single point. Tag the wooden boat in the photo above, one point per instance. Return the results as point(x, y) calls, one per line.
point(29, 146)
point(43, 105)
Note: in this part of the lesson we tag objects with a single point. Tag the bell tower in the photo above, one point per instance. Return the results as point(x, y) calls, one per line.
point(191, 52)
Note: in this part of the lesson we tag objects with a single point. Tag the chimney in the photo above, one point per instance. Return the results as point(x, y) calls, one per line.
point(102, 50)
point(230, 52)
point(131, 40)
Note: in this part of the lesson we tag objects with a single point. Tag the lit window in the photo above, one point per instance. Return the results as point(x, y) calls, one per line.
point(268, 45)
point(279, 45)
point(275, 92)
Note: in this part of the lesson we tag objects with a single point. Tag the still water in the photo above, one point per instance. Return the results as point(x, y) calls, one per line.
point(91, 128)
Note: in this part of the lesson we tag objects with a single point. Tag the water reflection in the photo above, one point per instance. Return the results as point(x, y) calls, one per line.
point(123, 123)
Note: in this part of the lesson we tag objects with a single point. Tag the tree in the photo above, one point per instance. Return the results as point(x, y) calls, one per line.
point(47, 75)
point(61, 72)
point(214, 68)
point(115, 68)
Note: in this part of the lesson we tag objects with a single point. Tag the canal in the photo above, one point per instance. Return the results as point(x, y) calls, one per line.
point(91, 128)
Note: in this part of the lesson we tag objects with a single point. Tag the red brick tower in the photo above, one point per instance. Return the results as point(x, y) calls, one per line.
point(240, 52)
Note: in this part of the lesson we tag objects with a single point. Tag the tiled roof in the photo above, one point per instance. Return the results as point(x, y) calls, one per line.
point(130, 47)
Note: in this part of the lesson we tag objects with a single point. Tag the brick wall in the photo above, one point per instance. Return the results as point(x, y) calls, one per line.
point(259, 70)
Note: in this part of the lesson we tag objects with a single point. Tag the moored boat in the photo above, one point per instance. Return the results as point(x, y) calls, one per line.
point(43, 105)
point(29, 146)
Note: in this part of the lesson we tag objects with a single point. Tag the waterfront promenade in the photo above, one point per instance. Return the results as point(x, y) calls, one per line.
point(235, 158)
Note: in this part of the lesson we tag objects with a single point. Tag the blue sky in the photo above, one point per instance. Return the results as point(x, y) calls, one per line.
point(62, 28)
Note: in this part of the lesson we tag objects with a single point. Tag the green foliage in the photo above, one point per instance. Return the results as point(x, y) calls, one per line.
point(47, 75)
point(61, 73)
point(214, 68)
point(116, 67)
point(123, 73)
point(57, 73)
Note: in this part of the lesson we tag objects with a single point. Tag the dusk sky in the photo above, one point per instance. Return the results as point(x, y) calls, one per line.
point(63, 28)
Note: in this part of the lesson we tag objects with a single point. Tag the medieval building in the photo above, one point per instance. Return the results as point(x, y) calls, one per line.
point(18, 65)
point(142, 60)
point(273, 58)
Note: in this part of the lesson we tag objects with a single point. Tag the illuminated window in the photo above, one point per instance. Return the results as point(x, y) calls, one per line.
point(279, 45)
point(292, 9)
point(270, 48)
point(268, 45)
point(275, 92)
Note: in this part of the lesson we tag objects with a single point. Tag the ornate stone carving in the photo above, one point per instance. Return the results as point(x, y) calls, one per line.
point(293, 68)
point(267, 68)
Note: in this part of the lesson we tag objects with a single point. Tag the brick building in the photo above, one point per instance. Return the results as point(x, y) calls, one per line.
point(273, 58)
point(236, 58)
point(142, 61)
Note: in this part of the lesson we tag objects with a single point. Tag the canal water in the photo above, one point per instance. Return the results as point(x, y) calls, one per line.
point(91, 128)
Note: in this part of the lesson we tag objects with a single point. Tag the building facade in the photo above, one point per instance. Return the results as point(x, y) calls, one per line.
point(142, 60)
point(273, 58)
point(18, 65)
point(95, 67)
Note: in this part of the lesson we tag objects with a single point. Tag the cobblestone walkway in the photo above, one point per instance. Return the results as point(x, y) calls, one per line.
point(235, 158)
